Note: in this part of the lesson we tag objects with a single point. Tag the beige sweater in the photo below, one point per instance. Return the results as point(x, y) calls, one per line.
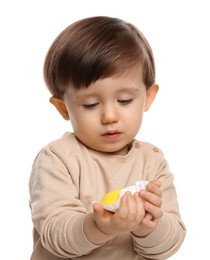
point(67, 177)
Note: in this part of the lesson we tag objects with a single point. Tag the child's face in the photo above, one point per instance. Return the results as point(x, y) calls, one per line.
point(107, 115)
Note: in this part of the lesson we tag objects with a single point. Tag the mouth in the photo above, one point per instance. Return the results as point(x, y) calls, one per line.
point(111, 135)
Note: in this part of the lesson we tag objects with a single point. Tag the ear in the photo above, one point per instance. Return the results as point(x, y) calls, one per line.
point(60, 106)
point(150, 96)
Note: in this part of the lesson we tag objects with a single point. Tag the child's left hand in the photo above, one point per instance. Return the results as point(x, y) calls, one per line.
point(152, 198)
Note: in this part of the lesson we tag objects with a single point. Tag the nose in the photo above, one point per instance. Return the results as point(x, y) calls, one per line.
point(109, 114)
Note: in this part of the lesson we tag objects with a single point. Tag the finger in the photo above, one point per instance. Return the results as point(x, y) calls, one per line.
point(134, 205)
point(153, 198)
point(122, 212)
point(136, 212)
point(154, 188)
point(148, 216)
point(140, 212)
point(130, 212)
point(149, 223)
point(156, 183)
point(156, 212)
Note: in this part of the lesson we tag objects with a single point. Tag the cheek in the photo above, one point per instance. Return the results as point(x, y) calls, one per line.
point(80, 122)
point(137, 121)
point(136, 116)
point(74, 119)
point(137, 111)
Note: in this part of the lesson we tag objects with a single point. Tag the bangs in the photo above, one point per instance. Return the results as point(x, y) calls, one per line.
point(92, 49)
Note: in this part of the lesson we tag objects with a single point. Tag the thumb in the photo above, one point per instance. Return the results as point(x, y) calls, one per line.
point(98, 210)
point(156, 183)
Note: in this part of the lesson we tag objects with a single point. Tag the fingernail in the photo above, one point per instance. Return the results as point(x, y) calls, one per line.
point(148, 206)
point(142, 193)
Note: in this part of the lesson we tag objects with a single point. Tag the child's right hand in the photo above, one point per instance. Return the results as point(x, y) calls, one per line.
point(127, 218)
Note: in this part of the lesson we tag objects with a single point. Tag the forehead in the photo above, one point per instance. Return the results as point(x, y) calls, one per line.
point(128, 81)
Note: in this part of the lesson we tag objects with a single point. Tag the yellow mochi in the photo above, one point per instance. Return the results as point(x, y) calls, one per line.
point(111, 197)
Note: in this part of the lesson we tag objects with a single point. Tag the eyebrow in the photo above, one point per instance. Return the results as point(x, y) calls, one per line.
point(130, 90)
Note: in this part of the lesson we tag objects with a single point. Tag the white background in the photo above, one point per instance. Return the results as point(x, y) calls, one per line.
point(178, 122)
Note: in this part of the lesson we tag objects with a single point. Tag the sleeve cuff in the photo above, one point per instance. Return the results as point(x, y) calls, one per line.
point(75, 229)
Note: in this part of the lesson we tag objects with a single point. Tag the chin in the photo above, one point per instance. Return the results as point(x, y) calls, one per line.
point(122, 151)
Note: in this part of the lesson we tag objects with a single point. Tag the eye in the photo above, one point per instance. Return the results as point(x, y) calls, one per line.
point(125, 101)
point(90, 106)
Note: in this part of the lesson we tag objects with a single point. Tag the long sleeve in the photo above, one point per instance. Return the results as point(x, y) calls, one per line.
point(163, 242)
point(170, 232)
point(57, 212)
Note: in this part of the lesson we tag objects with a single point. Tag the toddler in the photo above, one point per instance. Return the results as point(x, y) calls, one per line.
point(100, 72)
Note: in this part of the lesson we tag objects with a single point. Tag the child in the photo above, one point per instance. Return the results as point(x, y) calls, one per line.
point(101, 74)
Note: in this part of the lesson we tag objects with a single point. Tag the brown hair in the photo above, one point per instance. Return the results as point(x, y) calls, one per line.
point(94, 48)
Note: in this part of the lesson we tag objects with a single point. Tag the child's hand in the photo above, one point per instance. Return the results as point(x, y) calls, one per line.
point(127, 218)
point(152, 198)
